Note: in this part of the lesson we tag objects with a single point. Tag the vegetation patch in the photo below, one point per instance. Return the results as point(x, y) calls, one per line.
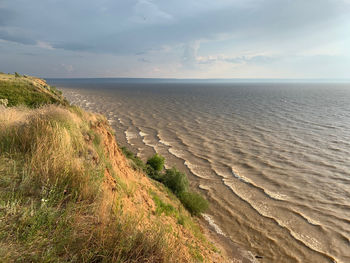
point(136, 162)
point(178, 183)
point(162, 207)
point(194, 202)
point(50, 197)
point(64, 198)
point(20, 90)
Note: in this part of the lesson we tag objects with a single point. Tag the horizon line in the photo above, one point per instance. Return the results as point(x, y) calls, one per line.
point(210, 79)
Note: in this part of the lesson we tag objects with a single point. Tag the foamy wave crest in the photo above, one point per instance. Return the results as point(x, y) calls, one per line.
point(177, 153)
point(264, 210)
point(241, 177)
point(276, 196)
point(143, 134)
point(308, 219)
point(165, 142)
point(130, 135)
point(273, 195)
point(149, 143)
point(197, 170)
point(211, 222)
point(204, 187)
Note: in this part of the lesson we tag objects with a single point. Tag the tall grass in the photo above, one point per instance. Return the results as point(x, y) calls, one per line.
point(52, 193)
point(20, 91)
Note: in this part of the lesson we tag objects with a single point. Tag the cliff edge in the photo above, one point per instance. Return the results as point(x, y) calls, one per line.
point(69, 194)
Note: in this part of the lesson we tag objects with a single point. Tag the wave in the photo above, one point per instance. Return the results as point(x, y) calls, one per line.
point(272, 159)
point(129, 136)
point(143, 134)
point(212, 223)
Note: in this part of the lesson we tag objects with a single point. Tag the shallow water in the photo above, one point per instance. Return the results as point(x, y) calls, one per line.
point(273, 159)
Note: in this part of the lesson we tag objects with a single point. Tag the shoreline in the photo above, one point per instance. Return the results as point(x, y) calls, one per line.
point(251, 210)
point(230, 249)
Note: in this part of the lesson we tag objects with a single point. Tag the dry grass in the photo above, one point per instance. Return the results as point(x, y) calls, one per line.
point(51, 182)
point(67, 194)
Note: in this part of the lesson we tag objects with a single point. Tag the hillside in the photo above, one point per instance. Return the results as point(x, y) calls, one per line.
point(26, 90)
point(69, 194)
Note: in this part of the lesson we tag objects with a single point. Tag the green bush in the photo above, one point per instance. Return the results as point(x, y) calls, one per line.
point(194, 202)
point(176, 181)
point(156, 162)
point(153, 173)
point(17, 75)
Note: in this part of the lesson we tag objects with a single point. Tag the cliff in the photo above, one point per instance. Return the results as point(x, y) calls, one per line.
point(68, 193)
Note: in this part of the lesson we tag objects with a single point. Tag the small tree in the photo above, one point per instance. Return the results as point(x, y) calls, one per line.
point(194, 202)
point(176, 181)
point(156, 162)
point(17, 75)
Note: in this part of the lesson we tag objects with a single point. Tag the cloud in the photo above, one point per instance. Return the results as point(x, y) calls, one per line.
point(72, 46)
point(147, 12)
point(67, 68)
point(189, 58)
point(17, 36)
point(144, 60)
point(6, 16)
point(245, 32)
point(126, 27)
point(257, 59)
point(44, 45)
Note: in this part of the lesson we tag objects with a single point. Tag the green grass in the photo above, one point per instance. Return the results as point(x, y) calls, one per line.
point(177, 183)
point(162, 207)
point(22, 91)
point(194, 202)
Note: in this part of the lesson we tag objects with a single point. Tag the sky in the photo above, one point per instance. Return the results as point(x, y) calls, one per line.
point(290, 39)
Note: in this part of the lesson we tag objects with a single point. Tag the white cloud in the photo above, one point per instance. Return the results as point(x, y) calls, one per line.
point(68, 68)
point(45, 45)
point(189, 58)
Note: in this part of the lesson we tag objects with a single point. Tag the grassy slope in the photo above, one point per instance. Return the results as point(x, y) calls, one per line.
point(29, 91)
point(68, 194)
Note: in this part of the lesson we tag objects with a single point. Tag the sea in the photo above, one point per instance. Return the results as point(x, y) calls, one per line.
point(272, 157)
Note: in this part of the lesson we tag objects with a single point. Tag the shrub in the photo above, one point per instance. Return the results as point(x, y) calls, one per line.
point(194, 202)
point(153, 173)
point(17, 75)
point(156, 162)
point(176, 181)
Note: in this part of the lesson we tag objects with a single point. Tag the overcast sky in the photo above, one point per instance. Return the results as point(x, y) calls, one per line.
point(176, 38)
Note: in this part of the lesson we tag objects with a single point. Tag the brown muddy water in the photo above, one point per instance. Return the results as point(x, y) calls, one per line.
point(272, 158)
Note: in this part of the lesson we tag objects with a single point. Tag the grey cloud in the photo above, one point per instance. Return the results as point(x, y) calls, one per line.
point(147, 12)
point(16, 37)
point(73, 46)
point(164, 33)
point(6, 16)
point(144, 60)
point(111, 29)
